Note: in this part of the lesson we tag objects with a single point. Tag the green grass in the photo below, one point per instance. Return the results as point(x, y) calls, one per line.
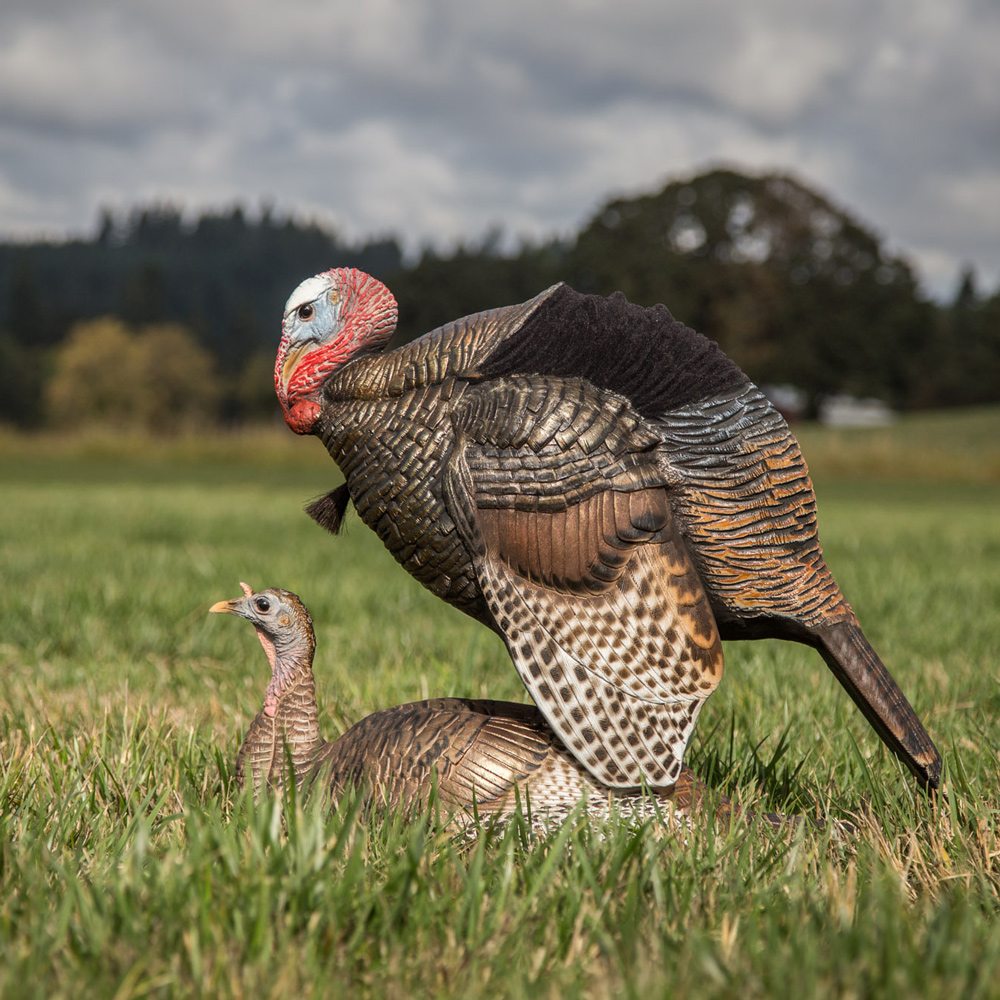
point(944, 446)
point(129, 867)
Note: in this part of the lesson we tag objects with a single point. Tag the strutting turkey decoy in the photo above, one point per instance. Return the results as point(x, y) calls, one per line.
point(483, 757)
point(596, 482)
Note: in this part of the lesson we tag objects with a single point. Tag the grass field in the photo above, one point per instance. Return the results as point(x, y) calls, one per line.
point(129, 867)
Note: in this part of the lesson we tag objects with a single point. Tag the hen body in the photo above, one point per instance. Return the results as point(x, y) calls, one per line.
point(474, 758)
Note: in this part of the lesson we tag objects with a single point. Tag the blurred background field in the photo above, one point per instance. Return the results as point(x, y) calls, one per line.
point(128, 864)
point(112, 545)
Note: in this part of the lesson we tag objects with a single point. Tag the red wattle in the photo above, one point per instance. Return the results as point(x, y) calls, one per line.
point(302, 416)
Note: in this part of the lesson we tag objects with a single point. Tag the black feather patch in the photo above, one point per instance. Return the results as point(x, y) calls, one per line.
point(646, 355)
point(328, 511)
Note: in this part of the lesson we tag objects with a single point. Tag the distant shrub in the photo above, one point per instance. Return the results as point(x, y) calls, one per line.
point(252, 391)
point(155, 379)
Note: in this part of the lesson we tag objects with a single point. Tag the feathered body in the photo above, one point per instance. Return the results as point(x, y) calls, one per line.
point(604, 488)
point(485, 758)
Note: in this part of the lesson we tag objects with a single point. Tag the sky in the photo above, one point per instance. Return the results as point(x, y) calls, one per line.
point(437, 120)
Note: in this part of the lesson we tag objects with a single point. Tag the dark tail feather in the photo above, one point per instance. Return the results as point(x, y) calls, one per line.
point(857, 666)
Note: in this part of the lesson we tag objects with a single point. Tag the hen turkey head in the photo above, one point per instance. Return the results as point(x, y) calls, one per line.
point(284, 628)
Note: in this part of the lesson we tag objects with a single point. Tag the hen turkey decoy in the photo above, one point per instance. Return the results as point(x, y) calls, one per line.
point(483, 757)
point(596, 482)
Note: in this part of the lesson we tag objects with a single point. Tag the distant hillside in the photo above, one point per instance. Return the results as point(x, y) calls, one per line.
point(794, 288)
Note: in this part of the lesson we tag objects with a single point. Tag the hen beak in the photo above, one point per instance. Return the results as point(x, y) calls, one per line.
point(235, 606)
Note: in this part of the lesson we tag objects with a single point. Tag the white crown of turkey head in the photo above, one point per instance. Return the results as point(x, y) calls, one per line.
point(329, 319)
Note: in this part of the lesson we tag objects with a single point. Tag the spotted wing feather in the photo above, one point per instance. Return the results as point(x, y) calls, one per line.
point(562, 494)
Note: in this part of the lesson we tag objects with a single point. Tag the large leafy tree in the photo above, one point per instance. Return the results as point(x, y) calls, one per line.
point(794, 288)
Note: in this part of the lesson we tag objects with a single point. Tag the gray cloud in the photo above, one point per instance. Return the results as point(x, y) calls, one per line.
point(437, 120)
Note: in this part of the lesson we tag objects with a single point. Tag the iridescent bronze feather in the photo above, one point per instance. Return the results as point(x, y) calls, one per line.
point(600, 485)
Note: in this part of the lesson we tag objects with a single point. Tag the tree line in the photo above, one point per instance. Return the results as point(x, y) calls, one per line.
point(186, 312)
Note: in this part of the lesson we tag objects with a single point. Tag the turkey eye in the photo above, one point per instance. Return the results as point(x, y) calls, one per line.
point(263, 604)
point(307, 311)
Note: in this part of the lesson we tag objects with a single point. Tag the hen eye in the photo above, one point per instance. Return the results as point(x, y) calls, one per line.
point(307, 311)
point(262, 604)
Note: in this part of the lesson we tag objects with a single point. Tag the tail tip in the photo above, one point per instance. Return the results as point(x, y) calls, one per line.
point(929, 769)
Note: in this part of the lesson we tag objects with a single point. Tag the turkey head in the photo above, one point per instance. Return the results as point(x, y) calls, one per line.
point(285, 631)
point(329, 319)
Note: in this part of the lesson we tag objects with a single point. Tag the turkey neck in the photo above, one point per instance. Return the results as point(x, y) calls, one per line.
point(293, 723)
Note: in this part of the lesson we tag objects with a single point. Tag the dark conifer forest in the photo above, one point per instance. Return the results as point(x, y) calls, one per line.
point(794, 288)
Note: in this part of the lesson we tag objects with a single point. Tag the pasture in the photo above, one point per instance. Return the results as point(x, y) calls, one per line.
point(130, 867)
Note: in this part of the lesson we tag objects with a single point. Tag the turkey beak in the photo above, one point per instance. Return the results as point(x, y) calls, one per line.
point(292, 359)
point(237, 606)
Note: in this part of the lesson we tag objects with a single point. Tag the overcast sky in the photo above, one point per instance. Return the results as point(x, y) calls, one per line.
point(436, 119)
